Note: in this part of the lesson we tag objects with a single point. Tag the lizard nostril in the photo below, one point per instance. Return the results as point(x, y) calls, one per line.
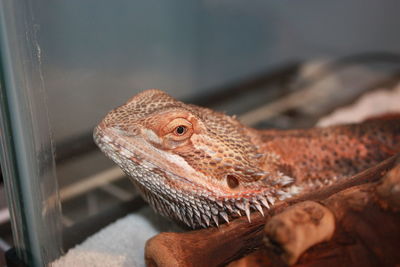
point(232, 181)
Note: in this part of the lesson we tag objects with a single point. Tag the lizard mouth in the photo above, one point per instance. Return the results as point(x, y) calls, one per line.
point(173, 188)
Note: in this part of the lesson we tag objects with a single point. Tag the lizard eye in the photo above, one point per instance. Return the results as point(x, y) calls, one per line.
point(180, 130)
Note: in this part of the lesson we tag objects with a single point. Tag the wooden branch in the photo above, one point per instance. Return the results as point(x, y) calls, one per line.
point(367, 230)
point(298, 228)
point(219, 246)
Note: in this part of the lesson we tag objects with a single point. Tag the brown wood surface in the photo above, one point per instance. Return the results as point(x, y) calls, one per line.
point(220, 246)
point(367, 230)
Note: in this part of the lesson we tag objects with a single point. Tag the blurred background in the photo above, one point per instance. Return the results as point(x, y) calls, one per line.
point(281, 64)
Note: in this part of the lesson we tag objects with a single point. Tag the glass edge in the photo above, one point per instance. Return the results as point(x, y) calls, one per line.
point(28, 151)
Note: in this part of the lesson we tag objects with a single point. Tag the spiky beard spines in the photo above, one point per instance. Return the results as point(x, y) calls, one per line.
point(203, 211)
point(207, 214)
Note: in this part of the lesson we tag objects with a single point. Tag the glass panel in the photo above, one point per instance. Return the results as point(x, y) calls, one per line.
point(27, 153)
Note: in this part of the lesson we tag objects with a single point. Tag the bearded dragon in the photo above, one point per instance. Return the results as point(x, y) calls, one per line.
point(203, 168)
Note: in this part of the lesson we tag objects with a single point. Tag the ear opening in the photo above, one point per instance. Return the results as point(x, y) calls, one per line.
point(232, 181)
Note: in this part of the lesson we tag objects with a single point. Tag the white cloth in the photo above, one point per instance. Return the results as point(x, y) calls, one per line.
point(120, 244)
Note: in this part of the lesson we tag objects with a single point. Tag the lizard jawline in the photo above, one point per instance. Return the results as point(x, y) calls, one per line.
point(196, 207)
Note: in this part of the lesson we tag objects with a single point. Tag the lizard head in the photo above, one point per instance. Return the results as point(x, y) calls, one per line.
point(190, 163)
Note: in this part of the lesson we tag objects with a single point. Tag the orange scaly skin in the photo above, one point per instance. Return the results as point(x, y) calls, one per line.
point(202, 167)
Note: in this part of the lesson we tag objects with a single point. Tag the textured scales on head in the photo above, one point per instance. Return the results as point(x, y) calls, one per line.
point(190, 163)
